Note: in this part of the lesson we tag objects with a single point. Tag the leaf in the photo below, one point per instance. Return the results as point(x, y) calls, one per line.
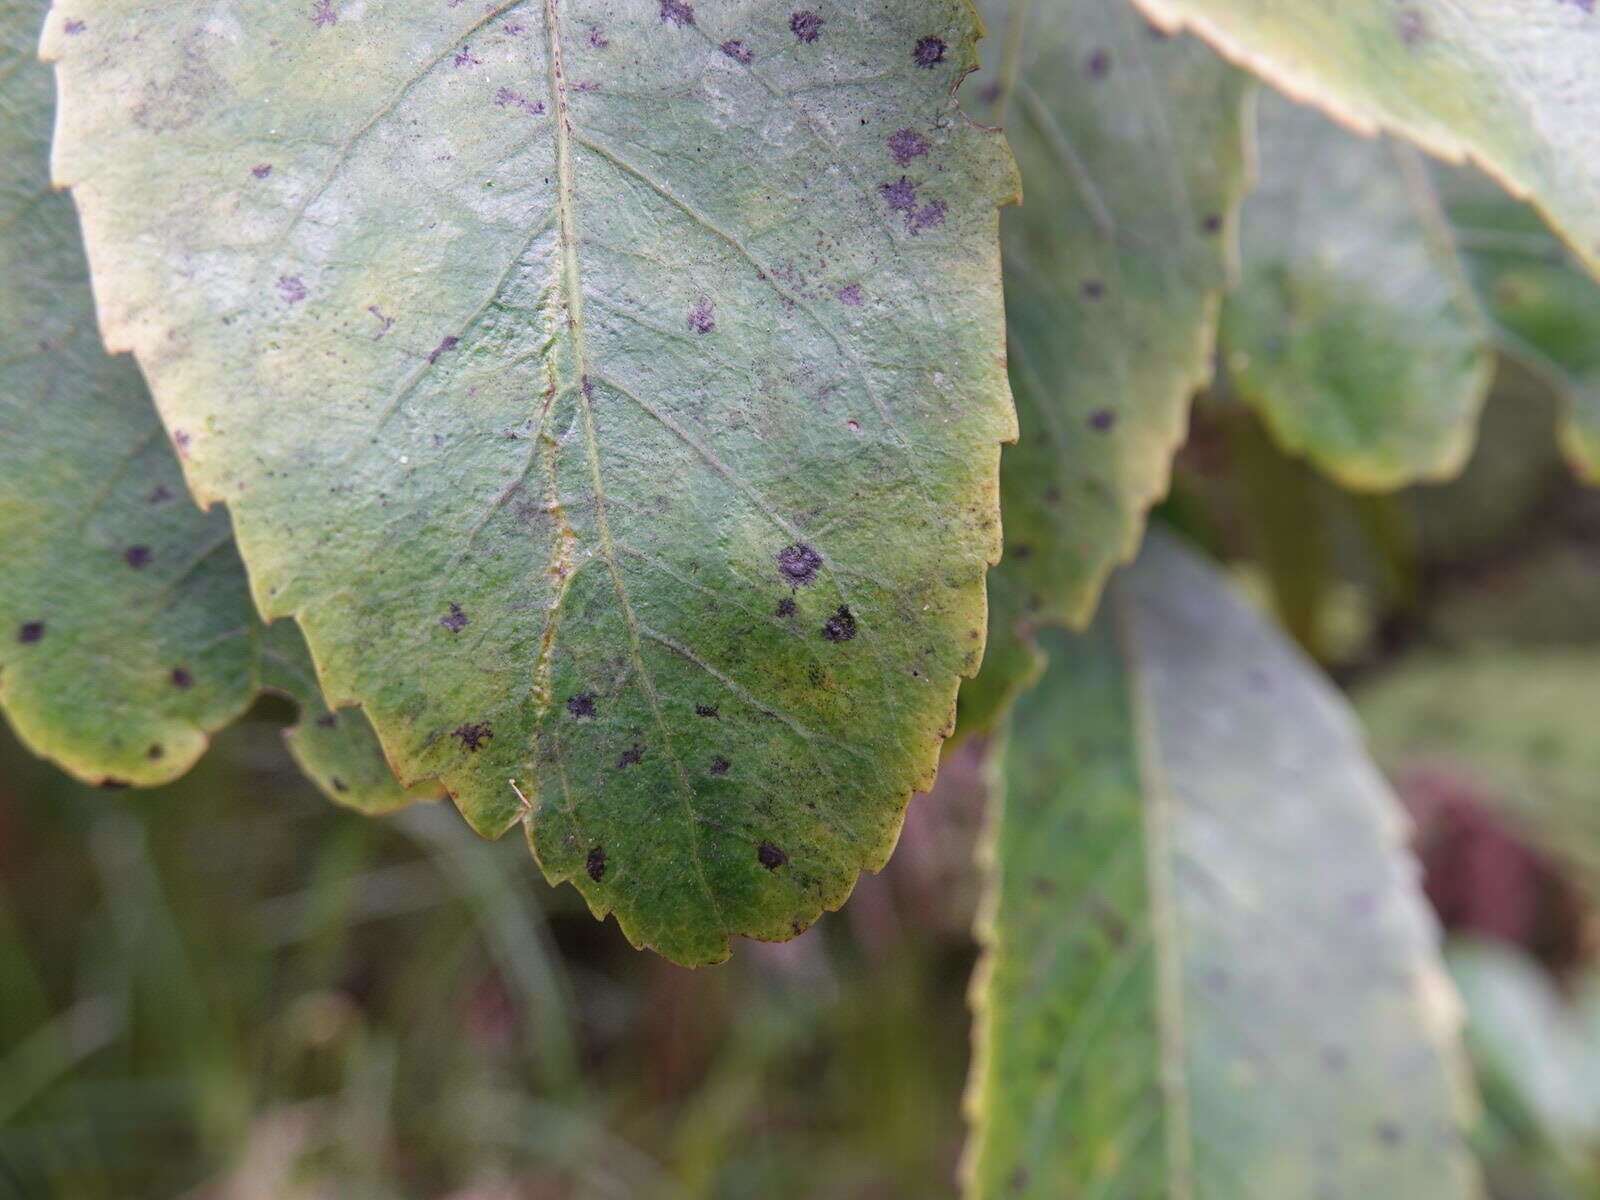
point(126, 631)
point(1506, 83)
point(1517, 721)
point(1353, 329)
point(1529, 1039)
point(1545, 306)
point(1132, 154)
point(1208, 968)
point(612, 391)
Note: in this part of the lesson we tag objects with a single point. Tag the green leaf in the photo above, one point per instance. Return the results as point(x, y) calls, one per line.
point(612, 391)
point(1516, 722)
point(1353, 329)
point(1208, 970)
point(1132, 151)
point(126, 631)
point(1506, 83)
point(1545, 306)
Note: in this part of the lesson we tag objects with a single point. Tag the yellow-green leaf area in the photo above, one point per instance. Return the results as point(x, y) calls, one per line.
point(613, 391)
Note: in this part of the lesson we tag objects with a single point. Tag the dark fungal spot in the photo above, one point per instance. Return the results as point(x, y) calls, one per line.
point(112, 785)
point(581, 706)
point(706, 710)
point(261, 170)
point(446, 345)
point(466, 58)
point(798, 564)
point(900, 196)
point(322, 14)
point(840, 627)
point(159, 494)
point(738, 51)
point(929, 216)
point(155, 752)
point(719, 765)
point(327, 720)
point(30, 632)
point(1093, 289)
point(291, 289)
point(595, 864)
point(677, 12)
point(597, 39)
point(1099, 64)
point(1102, 419)
point(928, 51)
point(473, 735)
point(631, 757)
point(906, 144)
point(701, 319)
point(805, 25)
point(455, 620)
point(181, 678)
point(786, 607)
point(136, 556)
point(770, 856)
point(1212, 223)
point(510, 98)
point(850, 295)
point(338, 784)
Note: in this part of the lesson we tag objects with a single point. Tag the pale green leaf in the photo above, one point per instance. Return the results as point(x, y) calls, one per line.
point(613, 391)
point(1509, 84)
point(1209, 971)
point(1132, 152)
point(1353, 329)
point(1545, 306)
point(126, 630)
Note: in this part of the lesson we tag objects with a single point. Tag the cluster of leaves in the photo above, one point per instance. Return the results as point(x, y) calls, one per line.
point(607, 405)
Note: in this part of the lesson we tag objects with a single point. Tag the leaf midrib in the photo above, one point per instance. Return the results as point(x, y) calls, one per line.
point(567, 236)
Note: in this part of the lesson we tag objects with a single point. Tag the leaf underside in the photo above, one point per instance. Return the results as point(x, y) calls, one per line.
point(1506, 83)
point(640, 448)
point(1201, 909)
point(1132, 151)
point(1353, 329)
point(126, 629)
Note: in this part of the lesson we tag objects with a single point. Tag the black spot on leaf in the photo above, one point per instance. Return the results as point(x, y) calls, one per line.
point(928, 51)
point(338, 784)
point(786, 607)
point(1099, 64)
point(719, 765)
point(900, 196)
point(840, 627)
point(155, 753)
point(706, 710)
point(1093, 289)
point(455, 620)
point(595, 864)
point(448, 344)
point(261, 170)
point(632, 756)
point(581, 705)
point(798, 564)
point(181, 678)
point(770, 856)
point(159, 494)
point(1212, 223)
point(136, 556)
point(906, 144)
point(473, 735)
point(738, 51)
point(806, 26)
point(1102, 419)
point(701, 319)
point(30, 632)
point(677, 12)
point(327, 720)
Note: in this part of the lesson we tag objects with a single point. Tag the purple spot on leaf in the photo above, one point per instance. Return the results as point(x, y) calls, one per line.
point(701, 319)
point(928, 51)
point(677, 12)
point(806, 26)
point(738, 51)
point(291, 289)
point(906, 144)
